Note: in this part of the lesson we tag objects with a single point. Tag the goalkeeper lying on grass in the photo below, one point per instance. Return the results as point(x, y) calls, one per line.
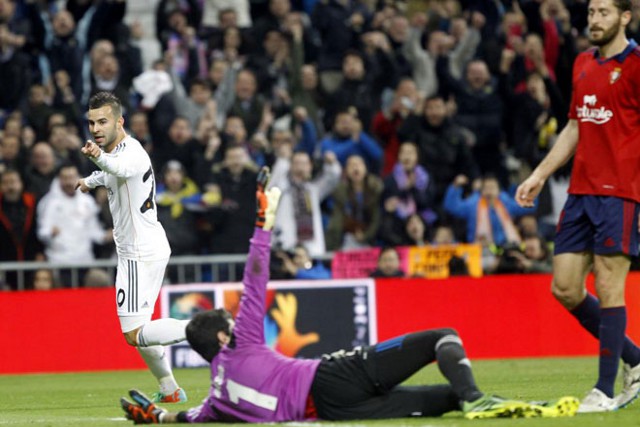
point(252, 383)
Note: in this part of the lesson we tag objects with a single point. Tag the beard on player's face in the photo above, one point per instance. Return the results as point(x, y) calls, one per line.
point(109, 135)
point(606, 34)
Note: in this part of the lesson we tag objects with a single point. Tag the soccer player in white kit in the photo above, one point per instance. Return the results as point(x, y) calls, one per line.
point(141, 243)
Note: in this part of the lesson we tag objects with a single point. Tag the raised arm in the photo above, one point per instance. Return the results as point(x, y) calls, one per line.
point(250, 321)
point(118, 163)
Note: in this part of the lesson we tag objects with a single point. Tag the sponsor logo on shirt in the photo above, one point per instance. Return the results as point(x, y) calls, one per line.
point(588, 112)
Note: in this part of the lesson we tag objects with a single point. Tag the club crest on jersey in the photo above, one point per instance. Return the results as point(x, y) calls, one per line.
point(615, 75)
point(589, 112)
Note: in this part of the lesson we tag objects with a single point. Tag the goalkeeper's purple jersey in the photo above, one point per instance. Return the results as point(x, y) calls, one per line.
point(251, 382)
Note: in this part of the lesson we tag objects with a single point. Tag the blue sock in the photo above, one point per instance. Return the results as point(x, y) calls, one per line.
point(613, 322)
point(588, 314)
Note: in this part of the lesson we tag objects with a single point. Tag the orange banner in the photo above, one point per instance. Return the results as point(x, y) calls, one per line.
point(432, 262)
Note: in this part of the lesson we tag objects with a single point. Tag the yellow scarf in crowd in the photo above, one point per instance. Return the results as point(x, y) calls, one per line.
point(189, 188)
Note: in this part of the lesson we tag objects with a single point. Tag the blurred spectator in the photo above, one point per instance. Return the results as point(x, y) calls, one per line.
point(231, 46)
point(304, 86)
point(231, 192)
point(355, 218)
point(37, 111)
point(407, 191)
point(179, 201)
point(527, 226)
point(533, 256)
point(11, 153)
point(389, 120)
point(388, 264)
point(355, 91)
point(416, 231)
point(199, 103)
point(339, 24)
point(97, 278)
point(300, 266)
point(139, 129)
point(64, 101)
point(18, 223)
point(489, 213)
point(174, 16)
point(217, 37)
point(535, 114)
point(349, 138)
point(184, 49)
point(299, 218)
point(215, 11)
point(423, 61)
point(179, 209)
point(248, 105)
point(479, 109)
point(106, 76)
point(444, 148)
point(65, 44)
point(66, 148)
point(222, 81)
point(15, 72)
point(271, 67)
point(443, 235)
point(179, 144)
point(43, 280)
point(41, 169)
point(274, 20)
point(68, 222)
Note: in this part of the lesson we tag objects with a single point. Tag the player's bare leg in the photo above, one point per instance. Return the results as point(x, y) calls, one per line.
point(569, 273)
point(570, 270)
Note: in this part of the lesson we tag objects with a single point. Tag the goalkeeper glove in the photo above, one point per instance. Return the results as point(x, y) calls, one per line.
point(266, 201)
point(142, 410)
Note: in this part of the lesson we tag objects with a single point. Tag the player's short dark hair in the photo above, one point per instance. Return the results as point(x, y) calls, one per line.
point(202, 332)
point(102, 99)
point(622, 5)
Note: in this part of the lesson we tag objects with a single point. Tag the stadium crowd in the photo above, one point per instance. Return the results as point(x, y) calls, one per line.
point(385, 123)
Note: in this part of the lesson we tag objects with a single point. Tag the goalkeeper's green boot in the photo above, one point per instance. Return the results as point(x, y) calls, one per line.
point(489, 406)
point(178, 396)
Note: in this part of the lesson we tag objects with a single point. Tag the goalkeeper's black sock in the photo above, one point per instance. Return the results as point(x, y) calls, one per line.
point(454, 365)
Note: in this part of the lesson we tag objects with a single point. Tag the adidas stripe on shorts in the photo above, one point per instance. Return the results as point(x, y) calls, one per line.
point(138, 284)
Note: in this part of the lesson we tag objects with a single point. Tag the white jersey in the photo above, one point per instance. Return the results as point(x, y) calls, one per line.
point(128, 176)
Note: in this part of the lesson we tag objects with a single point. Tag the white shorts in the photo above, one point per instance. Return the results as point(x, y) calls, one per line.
point(138, 284)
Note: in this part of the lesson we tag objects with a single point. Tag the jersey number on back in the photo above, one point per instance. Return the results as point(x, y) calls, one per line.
point(149, 203)
point(238, 391)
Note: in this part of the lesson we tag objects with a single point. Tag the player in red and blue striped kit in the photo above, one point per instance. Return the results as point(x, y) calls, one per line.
point(598, 229)
point(253, 383)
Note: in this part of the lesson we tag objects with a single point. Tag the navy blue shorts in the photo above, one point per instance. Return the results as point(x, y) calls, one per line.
point(603, 225)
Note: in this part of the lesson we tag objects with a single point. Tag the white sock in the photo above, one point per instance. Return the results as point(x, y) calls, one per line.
point(162, 332)
point(158, 363)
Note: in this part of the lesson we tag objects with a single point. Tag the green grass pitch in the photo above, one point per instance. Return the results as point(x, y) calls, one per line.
point(91, 399)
